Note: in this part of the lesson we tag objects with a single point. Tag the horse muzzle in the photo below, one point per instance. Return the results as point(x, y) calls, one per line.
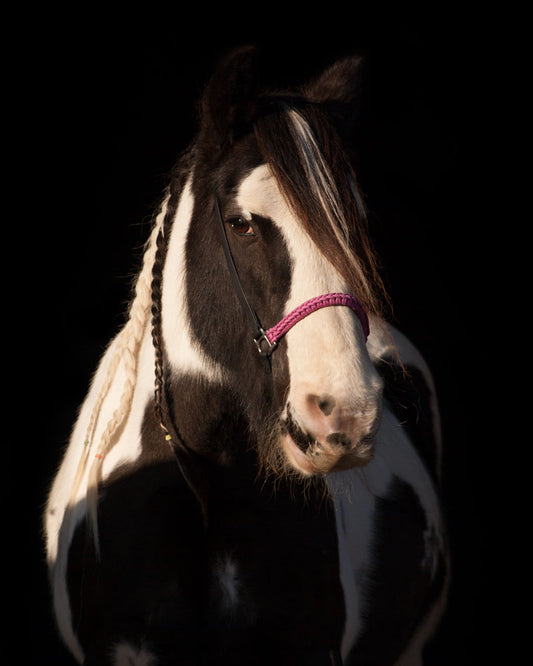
point(327, 437)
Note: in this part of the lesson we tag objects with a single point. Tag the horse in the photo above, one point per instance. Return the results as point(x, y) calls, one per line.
point(254, 476)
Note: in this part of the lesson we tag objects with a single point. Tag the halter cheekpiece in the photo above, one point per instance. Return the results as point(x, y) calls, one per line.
point(266, 341)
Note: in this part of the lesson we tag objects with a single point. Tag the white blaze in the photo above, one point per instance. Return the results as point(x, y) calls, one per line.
point(326, 350)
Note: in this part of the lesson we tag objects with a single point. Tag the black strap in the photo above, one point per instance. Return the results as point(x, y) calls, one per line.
point(253, 319)
point(263, 344)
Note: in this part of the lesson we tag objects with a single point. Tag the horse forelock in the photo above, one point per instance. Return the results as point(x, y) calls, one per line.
point(304, 154)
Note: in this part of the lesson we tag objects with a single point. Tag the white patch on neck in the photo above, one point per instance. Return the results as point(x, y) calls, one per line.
point(183, 352)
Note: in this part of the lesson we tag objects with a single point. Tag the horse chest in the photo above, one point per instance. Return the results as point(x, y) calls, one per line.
point(273, 570)
point(263, 579)
point(271, 612)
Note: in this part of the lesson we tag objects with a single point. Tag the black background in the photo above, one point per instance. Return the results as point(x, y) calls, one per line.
point(104, 104)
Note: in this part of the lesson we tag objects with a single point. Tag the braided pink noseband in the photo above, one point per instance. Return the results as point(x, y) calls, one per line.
point(274, 334)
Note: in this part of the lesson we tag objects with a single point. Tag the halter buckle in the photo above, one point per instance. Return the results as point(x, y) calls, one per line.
point(263, 344)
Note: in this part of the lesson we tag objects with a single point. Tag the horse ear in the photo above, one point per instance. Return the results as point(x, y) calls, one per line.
point(339, 84)
point(228, 104)
point(338, 91)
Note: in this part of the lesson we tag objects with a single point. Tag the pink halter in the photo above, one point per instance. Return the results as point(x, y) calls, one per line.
point(267, 341)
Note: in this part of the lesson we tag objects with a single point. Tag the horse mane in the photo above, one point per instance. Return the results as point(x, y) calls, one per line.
point(304, 154)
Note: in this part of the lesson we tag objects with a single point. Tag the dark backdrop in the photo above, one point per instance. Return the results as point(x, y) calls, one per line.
point(107, 104)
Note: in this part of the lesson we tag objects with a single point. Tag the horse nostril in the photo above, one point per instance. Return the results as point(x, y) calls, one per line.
point(326, 403)
point(339, 439)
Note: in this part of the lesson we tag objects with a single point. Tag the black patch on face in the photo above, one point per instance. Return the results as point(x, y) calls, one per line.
point(409, 397)
point(401, 589)
point(217, 321)
point(262, 262)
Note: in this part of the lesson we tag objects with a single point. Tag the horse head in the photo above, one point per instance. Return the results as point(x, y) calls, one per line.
point(271, 167)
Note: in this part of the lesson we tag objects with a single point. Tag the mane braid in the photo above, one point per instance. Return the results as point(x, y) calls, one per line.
point(305, 156)
point(157, 276)
point(180, 172)
point(125, 352)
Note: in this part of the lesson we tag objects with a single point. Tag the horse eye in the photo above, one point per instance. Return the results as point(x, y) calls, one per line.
point(241, 226)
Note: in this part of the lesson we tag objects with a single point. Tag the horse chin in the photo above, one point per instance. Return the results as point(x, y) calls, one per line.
point(320, 459)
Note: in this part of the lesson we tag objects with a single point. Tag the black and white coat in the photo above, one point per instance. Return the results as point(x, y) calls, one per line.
point(313, 531)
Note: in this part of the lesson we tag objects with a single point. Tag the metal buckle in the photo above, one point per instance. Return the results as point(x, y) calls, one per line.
point(264, 346)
